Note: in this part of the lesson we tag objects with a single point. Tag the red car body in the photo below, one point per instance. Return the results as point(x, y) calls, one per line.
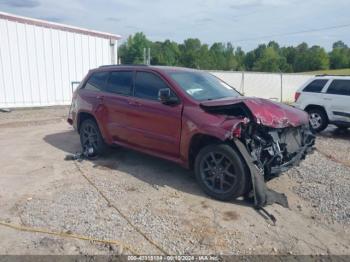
point(167, 131)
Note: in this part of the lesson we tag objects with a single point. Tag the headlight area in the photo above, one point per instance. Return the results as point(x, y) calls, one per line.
point(268, 152)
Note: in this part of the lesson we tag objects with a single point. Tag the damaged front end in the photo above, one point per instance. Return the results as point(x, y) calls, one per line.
point(269, 152)
point(275, 150)
point(271, 138)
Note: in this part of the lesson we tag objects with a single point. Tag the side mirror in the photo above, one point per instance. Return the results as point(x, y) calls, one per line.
point(165, 97)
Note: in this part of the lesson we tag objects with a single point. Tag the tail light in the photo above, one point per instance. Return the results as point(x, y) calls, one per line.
point(296, 96)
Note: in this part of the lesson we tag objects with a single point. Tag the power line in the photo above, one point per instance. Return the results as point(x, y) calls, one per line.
point(294, 33)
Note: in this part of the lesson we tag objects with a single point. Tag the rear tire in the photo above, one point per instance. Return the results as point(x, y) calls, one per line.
point(90, 137)
point(318, 119)
point(221, 172)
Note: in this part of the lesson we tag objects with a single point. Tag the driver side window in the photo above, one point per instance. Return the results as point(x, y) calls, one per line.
point(147, 85)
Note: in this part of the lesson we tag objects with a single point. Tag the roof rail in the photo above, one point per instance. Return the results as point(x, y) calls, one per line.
point(123, 65)
point(331, 75)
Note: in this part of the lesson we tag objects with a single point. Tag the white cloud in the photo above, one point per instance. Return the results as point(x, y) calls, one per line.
point(209, 20)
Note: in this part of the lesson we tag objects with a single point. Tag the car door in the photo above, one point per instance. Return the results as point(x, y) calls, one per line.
point(337, 97)
point(116, 106)
point(153, 125)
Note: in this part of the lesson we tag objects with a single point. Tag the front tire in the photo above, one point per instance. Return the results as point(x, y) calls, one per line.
point(221, 172)
point(91, 140)
point(318, 120)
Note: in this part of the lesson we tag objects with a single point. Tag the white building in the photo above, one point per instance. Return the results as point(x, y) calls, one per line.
point(40, 60)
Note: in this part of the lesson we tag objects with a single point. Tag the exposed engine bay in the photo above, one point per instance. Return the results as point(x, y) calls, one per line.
point(273, 149)
point(276, 150)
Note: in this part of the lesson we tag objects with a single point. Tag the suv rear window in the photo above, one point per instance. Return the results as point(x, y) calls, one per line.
point(97, 81)
point(339, 87)
point(147, 85)
point(315, 86)
point(120, 82)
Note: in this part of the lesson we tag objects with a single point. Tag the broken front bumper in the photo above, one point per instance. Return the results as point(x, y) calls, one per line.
point(262, 195)
point(303, 151)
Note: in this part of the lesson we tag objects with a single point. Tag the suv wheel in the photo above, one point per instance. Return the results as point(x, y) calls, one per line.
point(91, 139)
point(221, 172)
point(318, 119)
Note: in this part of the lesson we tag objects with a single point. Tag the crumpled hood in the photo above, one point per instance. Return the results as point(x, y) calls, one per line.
point(265, 112)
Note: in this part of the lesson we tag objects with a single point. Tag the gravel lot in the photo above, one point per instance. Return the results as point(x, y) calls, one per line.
point(152, 206)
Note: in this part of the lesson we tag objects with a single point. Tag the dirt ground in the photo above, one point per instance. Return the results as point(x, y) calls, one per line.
point(144, 204)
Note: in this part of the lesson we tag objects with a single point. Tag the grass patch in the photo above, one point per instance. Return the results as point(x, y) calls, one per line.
point(345, 71)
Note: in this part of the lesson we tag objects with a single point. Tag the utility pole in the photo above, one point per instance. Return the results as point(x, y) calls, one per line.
point(281, 75)
point(147, 56)
point(242, 83)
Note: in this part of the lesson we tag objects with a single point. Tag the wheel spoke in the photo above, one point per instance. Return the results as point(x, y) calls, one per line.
point(229, 174)
point(220, 160)
point(218, 172)
point(221, 182)
point(211, 179)
point(208, 163)
point(227, 166)
point(213, 158)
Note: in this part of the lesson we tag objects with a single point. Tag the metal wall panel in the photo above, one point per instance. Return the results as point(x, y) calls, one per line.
point(38, 63)
point(275, 86)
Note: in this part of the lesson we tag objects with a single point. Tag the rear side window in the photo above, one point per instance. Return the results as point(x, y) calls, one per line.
point(120, 82)
point(147, 85)
point(97, 81)
point(339, 87)
point(316, 86)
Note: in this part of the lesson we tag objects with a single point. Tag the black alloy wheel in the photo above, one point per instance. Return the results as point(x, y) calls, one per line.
point(91, 140)
point(221, 172)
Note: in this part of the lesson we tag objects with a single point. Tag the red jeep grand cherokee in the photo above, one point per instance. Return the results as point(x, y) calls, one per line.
point(192, 118)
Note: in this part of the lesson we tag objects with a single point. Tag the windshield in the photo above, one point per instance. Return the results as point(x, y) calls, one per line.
point(202, 85)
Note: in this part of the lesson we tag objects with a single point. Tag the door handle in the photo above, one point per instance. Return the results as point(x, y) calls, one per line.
point(328, 99)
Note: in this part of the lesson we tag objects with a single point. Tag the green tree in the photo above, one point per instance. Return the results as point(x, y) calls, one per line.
point(190, 53)
point(269, 61)
point(239, 54)
point(231, 60)
point(317, 58)
point(131, 52)
point(301, 58)
point(340, 56)
point(269, 57)
point(204, 60)
point(217, 53)
point(249, 60)
point(310, 59)
point(165, 53)
point(289, 53)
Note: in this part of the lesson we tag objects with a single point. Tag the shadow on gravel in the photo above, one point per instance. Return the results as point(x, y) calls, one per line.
point(66, 141)
point(154, 171)
point(335, 132)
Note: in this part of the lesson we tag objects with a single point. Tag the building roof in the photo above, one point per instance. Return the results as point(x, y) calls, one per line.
point(57, 26)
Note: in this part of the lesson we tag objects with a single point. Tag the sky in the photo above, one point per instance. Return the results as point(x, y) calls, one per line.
point(245, 23)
